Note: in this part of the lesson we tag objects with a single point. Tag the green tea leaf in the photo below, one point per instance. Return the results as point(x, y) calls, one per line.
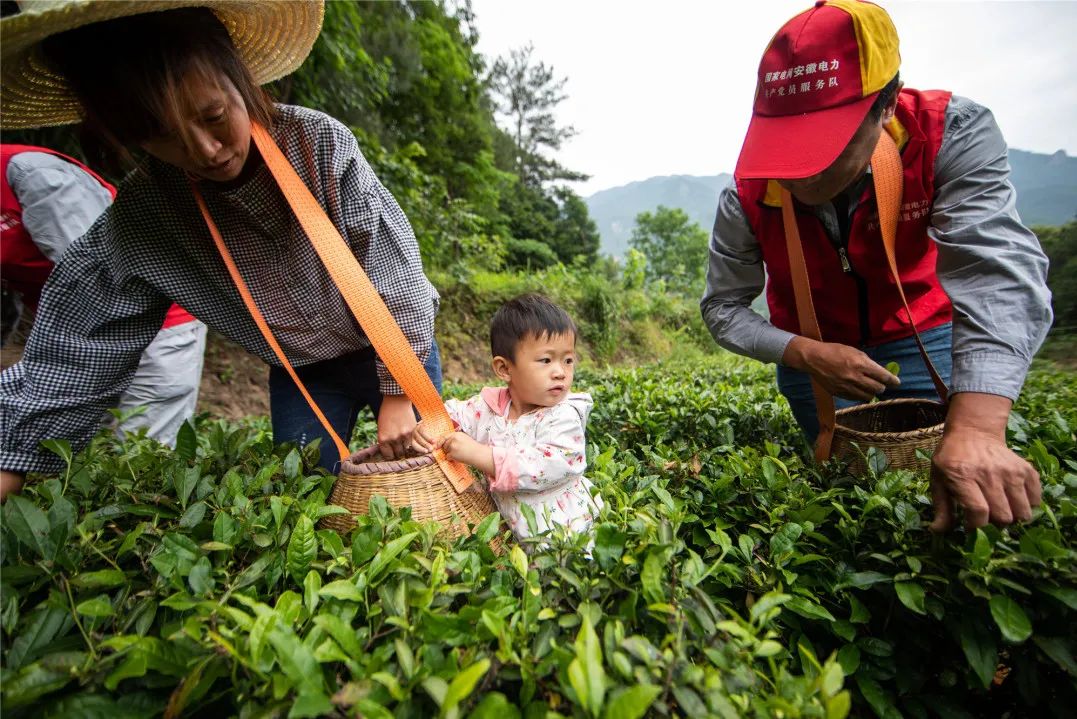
point(312, 584)
point(201, 577)
point(809, 609)
point(893, 368)
point(1059, 651)
point(302, 547)
point(980, 651)
point(35, 681)
point(99, 606)
point(1010, 618)
point(767, 602)
point(519, 561)
point(101, 579)
point(911, 595)
point(609, 545)
point(463, 684)
point(29, 524)
point(494, 705)
point(186, 441)
point(342, 589)
point(387, 554)
point(61, 448)
point(585, 672)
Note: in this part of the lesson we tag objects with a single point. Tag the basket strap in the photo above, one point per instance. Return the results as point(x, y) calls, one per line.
point(886, 171)
point(809, 325)
point(359, 294)
point(887, 174)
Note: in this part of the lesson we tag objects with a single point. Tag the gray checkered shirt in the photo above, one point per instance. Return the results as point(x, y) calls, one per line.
point(107, 297)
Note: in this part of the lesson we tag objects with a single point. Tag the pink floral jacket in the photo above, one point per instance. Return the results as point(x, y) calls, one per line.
point(539, 458)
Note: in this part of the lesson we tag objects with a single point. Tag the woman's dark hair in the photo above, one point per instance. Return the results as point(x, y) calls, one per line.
point(885, 96)
point(530, 315)
point(128, 74)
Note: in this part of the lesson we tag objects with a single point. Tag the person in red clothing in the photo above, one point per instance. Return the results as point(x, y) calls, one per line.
point(49, 200)
point(828, 88)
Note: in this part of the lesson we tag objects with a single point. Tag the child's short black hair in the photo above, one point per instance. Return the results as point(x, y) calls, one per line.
point(529, 315)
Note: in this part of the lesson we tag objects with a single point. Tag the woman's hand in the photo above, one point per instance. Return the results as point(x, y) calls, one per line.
point(843, 371)
point(10, 483)
point(396, 422)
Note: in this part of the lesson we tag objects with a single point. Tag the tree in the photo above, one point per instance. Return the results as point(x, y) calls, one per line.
point(575, 233)
point(526, 93)
point(675, 248)
point(1060, 246)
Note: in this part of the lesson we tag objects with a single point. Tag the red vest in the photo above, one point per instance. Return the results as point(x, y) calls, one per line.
point(23, 267)
point(855, 298)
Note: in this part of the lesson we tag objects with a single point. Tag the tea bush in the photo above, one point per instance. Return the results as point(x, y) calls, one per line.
point(728, 577)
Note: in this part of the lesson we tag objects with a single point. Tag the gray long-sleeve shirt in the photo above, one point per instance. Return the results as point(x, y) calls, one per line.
point(990, 265)
point(59, 200)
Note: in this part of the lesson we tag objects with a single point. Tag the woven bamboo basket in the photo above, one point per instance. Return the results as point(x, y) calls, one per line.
point(415, 482)
point(897, 427)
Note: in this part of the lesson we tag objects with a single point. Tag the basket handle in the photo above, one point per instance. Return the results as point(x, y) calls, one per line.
point(886, 173)
point(359, 294)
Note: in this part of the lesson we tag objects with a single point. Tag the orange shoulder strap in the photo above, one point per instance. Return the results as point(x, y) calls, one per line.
point(886, 175)
point(361, 297)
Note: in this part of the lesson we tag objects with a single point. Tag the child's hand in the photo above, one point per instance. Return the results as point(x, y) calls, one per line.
point(457, 446)
point(462, 448)
point(421, 442)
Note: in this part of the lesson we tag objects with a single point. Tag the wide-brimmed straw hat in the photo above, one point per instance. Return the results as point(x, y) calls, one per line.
point(273, 38)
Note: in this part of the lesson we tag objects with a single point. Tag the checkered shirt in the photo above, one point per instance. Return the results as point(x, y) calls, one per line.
point(107, 297)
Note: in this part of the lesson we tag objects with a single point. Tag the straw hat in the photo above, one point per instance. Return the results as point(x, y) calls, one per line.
point(273, 38)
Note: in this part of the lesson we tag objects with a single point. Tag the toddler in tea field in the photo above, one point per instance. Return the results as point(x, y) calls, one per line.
point(528, 438)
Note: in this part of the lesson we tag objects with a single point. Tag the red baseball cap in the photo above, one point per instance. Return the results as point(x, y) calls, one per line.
point(817, 80)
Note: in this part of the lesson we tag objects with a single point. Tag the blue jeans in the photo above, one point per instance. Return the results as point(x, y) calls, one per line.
point(341, 387)
point(915, 379)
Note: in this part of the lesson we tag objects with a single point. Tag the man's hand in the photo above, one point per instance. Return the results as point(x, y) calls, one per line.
point(396, 421)
point(10, 482)
point(974, 466)
point(843, 371)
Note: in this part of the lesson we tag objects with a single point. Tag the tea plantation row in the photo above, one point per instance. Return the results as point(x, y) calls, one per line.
point(729, 578)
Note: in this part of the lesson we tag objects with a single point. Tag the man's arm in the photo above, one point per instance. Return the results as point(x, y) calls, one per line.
point(735, 277)
point(59, 200)
point(995, 273)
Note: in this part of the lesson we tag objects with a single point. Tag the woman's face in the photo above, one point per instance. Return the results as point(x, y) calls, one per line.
point(214, 142)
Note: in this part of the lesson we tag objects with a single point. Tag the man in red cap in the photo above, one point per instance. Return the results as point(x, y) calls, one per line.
point(974, 276)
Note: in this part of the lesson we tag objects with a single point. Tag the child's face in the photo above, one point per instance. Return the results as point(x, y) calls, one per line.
point(541, 373)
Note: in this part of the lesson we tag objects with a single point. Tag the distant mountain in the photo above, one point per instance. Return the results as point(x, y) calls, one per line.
point(1046, 195)
point(615, 210)
point(1046, 186)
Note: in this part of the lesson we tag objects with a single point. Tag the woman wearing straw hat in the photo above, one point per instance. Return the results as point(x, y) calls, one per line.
point(175, 86)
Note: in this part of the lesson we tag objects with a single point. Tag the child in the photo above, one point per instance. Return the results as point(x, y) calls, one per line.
point(527, 438)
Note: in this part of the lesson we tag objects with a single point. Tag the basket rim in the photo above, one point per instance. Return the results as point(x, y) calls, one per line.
point(357, 464)
point(906, 436)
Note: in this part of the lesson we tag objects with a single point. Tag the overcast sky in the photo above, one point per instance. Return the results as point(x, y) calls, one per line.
point(665, 87)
